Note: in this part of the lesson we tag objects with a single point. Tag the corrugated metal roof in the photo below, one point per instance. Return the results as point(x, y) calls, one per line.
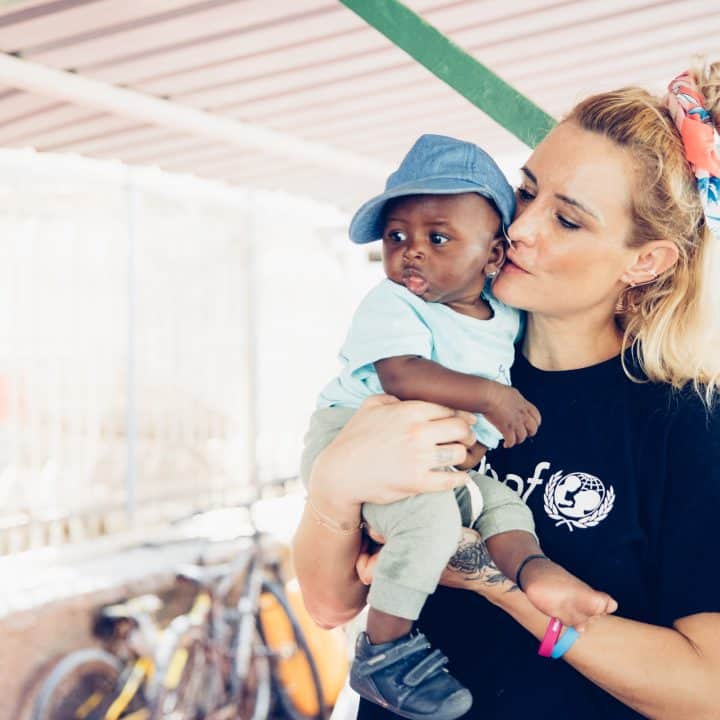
point(313, 70)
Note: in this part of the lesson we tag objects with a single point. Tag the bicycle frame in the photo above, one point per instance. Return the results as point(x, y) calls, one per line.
point(145, 668)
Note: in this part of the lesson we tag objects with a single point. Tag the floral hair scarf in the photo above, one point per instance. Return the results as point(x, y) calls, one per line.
point(702, 143)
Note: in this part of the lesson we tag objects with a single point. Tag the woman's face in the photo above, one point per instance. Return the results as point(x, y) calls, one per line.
point(573, 219)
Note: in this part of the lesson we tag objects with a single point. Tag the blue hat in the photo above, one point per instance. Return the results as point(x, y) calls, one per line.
point(437, 165)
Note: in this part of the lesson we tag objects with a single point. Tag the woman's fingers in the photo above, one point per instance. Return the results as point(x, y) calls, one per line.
point(440, 432)
point(469, 440)
point(445, 455)
point(365, 566)
point(377, 400)
point(439, 480)
point(422, 411)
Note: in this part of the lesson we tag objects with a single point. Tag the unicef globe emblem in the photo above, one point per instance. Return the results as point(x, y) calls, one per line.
point(578, 500)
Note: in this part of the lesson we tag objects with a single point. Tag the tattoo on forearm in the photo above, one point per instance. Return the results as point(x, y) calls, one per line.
point(473, 560)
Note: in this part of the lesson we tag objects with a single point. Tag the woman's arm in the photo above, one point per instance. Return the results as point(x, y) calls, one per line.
point(325, 567)
point(662, 673)
point(387, 451)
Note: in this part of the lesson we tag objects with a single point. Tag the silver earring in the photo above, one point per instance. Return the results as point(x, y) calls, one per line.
point(492, 274)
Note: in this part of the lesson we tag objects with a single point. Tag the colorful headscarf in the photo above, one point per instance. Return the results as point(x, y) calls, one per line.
point(701, 140)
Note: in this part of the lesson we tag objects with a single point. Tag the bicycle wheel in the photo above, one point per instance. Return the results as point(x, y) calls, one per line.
point(254, 699)
point(80, 687)
point(296, 679)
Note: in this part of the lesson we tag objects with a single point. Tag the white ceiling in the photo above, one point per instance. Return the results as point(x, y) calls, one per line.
point(315, 75)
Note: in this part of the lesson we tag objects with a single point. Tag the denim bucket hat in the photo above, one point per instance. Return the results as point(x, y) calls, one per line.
point(437, 165)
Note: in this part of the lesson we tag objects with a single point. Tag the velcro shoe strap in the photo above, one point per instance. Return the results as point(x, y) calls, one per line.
point(425, 668)
point(372, 664)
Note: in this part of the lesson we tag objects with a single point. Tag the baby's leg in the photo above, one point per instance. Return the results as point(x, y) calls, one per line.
point(394, 668)
point(507, 527)
point(421, 534)
point(325, 424)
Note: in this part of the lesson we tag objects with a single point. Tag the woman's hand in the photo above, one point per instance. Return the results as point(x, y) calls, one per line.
point(390, 450)
point(369, 556)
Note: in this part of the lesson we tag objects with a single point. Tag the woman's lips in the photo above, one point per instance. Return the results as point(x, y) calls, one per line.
point(510, 267)
point(414, 281)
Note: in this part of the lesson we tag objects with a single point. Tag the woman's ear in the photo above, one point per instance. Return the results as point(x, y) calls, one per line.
point(496, 258)
point(652, 260)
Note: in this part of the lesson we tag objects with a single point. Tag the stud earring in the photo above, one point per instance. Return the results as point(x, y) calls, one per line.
point(492, 274)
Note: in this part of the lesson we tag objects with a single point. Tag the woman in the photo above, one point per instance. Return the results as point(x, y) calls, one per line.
point(612, 256)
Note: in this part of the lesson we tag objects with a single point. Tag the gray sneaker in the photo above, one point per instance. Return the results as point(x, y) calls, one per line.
point(408, 677)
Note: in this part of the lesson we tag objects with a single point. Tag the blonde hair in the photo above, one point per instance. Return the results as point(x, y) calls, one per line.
point(673, 323)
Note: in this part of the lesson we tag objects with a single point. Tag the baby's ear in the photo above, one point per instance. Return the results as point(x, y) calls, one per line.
point(496, 257)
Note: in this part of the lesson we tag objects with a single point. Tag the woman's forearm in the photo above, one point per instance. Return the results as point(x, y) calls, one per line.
point(662, 673)
point(325, 566)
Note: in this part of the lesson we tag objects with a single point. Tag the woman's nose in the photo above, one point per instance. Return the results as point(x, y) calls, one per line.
point(524, 228)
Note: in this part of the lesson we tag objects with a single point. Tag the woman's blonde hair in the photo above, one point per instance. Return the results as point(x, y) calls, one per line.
point(673, 323)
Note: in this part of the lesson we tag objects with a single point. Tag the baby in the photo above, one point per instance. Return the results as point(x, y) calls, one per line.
point(433, 331)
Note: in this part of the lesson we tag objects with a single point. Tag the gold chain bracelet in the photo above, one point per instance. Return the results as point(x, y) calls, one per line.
point(330, 524)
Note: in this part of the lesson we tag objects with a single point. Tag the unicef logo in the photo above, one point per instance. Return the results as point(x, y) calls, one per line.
point(577, 500)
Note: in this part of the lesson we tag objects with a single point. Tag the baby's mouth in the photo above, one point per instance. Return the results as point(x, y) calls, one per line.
point(414, 281)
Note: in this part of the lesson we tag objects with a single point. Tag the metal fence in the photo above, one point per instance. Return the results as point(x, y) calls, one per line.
point(152, 331)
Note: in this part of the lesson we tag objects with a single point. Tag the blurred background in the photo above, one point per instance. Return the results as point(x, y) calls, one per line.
point(176, 179)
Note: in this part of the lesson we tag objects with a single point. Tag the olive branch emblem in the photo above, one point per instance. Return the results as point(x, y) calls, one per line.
point(554, 513)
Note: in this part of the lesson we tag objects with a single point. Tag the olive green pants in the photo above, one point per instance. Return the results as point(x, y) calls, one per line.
point(421, 532)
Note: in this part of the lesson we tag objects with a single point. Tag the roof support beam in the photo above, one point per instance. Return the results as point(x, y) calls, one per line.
point(70, 87)
point(461, 71)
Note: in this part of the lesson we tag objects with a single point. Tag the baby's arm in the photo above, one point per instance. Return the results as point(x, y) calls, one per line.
point(409, 377)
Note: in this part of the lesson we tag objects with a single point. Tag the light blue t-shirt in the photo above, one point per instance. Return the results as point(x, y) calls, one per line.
point(392, 321)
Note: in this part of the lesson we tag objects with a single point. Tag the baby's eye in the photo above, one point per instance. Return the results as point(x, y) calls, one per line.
point(396, 236)
point(438, 239)
point(524, 195)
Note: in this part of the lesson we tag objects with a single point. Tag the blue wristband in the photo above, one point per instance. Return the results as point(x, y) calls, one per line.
point(564, 643)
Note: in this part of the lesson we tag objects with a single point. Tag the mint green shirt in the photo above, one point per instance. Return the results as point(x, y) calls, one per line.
point(391, 321)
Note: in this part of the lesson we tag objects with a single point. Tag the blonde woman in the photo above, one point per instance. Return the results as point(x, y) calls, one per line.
point(613, 254)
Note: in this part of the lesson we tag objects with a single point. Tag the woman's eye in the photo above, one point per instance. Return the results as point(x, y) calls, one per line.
point(437, 239)
point(396, 236)
point(568, 224)
point(524, 195)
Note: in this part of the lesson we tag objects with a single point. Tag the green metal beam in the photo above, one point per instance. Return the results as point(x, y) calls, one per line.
point(462, 72)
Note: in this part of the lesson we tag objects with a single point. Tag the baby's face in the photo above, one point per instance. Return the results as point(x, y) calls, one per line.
point(438, 246)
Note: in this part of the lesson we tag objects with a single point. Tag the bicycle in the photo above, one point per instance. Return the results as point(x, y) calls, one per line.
point(238, 653)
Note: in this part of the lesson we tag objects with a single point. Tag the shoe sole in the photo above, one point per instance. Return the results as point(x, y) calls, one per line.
point(463, 704)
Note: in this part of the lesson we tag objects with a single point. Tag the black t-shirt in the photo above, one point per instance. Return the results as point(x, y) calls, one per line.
point(623, 479)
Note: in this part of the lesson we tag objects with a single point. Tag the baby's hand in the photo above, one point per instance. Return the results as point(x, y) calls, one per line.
point(476, 452)
point(559, 594)
point(515, 417)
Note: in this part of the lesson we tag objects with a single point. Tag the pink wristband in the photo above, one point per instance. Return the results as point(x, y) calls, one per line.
point(550, 638)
